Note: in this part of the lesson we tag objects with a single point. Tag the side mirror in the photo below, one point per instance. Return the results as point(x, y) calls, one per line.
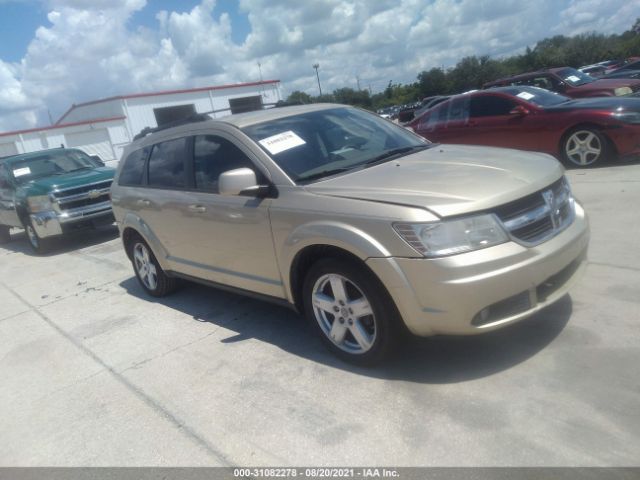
point(241, 181)
point(519, 110)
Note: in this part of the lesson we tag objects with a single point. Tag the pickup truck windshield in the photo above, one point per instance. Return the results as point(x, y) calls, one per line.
point(49, 164)
point(315, 145)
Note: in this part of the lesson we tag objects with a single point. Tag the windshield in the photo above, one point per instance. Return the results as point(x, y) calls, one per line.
point(537, 96)
point(574, 77)
point(50, 163)
point(314, 145)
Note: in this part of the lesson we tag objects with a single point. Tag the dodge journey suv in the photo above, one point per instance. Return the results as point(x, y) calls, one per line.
point(362, 225)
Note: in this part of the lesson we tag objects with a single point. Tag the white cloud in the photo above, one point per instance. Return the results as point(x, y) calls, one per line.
point(90, 49)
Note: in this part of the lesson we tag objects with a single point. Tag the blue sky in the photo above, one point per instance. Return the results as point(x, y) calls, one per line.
point(20, 19)
point(57, 52)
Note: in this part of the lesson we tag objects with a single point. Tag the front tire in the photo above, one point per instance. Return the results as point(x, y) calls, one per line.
point(148, 271)
point(351, 310)
point(38, 244)
point(584, 147)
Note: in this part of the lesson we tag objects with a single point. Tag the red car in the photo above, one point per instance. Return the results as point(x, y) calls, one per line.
point(570, 82)
point(580, 132)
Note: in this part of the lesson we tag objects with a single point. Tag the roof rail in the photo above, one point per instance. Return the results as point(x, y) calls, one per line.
point(196, 117)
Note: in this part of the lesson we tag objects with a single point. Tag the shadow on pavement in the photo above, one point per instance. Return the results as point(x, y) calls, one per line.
point(62, 244)
point(614, 162)
point(435, 360)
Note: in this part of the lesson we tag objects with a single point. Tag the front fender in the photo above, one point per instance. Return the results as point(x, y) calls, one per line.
point(334, 234)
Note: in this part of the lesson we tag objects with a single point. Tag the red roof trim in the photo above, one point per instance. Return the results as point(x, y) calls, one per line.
point(52, 127)
point(166, 92)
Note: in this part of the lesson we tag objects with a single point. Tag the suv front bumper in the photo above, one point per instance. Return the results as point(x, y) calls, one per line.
point(486, 289)
point(51, 223)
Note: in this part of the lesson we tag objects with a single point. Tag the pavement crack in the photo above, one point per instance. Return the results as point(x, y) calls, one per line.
point(136, 391)
point(164, 354)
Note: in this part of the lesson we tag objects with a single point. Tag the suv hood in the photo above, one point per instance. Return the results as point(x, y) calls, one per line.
point(42, 186)
point(448, 179)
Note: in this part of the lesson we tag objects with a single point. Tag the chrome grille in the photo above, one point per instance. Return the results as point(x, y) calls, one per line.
point(90, 198)
point(540, 216)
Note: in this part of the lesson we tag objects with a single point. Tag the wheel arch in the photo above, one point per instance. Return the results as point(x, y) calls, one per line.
point(133, 226)
point(589, 125)
point(312, 241)
point(309, 255)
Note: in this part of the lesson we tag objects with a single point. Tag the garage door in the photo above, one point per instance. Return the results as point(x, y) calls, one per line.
point(93, 142)
point(7, 149)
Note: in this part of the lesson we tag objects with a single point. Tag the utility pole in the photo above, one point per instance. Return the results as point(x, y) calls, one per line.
point(261, 82)
point(317, 66)
point(358, 82)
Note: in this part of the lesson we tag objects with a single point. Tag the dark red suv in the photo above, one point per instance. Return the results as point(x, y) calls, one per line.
point(581, 132)
point(570, 82)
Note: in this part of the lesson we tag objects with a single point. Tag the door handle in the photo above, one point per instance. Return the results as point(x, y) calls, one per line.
point(144, 202)
point(196, 208)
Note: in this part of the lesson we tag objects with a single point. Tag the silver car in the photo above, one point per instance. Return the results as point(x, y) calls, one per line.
point(365, 227)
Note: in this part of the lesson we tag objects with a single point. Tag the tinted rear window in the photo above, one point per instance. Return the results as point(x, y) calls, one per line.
point(166, 164)
point(133, 168)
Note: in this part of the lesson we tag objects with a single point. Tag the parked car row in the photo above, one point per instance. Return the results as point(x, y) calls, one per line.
point(364, 226)
point(560, 111)
point(581, 132)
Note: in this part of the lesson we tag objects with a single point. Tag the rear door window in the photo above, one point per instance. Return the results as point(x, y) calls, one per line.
point(167, 164)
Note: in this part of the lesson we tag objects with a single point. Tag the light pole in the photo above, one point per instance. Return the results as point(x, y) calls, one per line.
point(316, 66)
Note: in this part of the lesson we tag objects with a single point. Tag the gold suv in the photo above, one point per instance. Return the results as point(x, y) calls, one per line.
point(364, 226)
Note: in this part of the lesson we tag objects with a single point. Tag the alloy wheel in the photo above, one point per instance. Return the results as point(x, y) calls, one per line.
point(144, 266)
point(344, 313)
point(583, 147)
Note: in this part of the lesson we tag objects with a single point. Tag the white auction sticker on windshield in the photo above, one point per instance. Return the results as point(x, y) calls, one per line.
point(19, 172)
point(525, 95)
point(572, 78)
point(281, 142)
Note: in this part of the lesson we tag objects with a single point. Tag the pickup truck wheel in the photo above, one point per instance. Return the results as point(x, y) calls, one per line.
point(351, 310)
point(5, 235)
point(38, 244)
point(583, 147)
point(148, 271)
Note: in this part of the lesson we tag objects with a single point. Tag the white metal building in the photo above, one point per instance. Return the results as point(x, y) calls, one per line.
point(104, 127)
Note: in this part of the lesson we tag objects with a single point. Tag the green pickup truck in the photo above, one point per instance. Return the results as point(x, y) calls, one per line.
point(53, 192)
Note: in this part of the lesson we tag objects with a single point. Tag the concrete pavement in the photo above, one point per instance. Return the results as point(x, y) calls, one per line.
point(95, 373)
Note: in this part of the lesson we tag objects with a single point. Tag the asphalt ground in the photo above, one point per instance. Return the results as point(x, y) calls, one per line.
point(95, 373)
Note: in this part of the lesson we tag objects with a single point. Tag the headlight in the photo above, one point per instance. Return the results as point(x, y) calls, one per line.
point(621, 91)
point(39, 203)
point(450, 237)
point(628, 117)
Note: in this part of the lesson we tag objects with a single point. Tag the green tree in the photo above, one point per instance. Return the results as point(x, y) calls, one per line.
point(433, 82)
point(298, 97)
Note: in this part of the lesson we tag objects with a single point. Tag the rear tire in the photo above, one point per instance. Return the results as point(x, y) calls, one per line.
point(5, 235)
point(148, 271)
point(584, 147)
point(351, 310)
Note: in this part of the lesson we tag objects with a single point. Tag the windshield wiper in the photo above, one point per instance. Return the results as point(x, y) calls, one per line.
point(81, 168)
point(394, 153)
point(324, 173)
